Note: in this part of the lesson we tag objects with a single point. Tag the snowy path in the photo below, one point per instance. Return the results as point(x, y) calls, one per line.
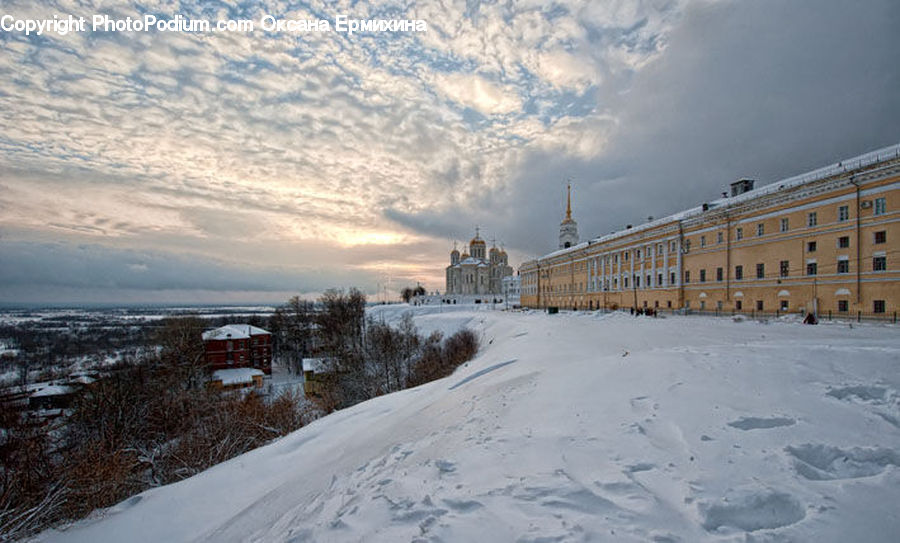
point(577, 428)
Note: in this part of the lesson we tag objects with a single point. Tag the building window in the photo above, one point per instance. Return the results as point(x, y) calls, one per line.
point(626, 282)
point(784, 305)
point(811, 219)
point(702, 241)
point(843, 213)
point(760, 229)
point(649, 280)
point(881, 237)
point(784, 268)
point(672, 278)
point(760, 271)
point(687, 245)
point(784, 225)
point(687, 276)
point(880, 206)
point(810, 246)
point(626, 256)
point(719, 237)
point(811, 268)
point(879, 263)
point(702, 276)
point(843, 306)
point(673, 247)
point(759, 305)
point(719, 273)
point(659, 281)
point(843, 266)
point(739, 305)
point(638, 254)
point(878, 306)
point(843, 242)
point(637, 281)
point(739, 233)
point(738, 272)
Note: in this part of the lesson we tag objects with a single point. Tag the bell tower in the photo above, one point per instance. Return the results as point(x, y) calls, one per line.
point(568, 228)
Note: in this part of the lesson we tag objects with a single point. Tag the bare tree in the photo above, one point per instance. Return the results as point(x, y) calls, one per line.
point(183, 351)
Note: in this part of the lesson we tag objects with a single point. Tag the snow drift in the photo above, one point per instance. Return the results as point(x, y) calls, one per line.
point(576, 427)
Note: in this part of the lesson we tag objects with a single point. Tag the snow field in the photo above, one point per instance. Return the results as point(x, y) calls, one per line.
point(576, 427)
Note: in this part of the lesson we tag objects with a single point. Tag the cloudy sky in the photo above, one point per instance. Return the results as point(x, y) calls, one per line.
point(229, 167)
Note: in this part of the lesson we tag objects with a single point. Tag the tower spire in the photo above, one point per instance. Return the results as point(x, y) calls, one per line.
point(568, 228)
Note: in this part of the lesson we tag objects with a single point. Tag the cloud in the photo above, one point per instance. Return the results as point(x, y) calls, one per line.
point(763, 89)
point(478, 93)
point(367, 155)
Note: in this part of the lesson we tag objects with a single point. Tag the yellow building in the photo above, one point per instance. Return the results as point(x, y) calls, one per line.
point(824, 242)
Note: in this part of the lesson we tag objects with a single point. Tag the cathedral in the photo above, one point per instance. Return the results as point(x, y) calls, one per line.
point(476, 272)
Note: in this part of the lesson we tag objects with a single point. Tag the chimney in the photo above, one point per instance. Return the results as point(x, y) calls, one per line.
point(741, 186)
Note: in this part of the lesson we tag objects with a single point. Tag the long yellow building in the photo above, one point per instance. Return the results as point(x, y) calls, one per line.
point(822, 242)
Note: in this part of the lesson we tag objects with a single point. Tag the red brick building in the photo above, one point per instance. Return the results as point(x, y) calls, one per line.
point(238, 346)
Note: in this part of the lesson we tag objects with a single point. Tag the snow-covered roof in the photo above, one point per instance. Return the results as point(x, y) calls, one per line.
point(233, 331)
point(315, 365)
point(52, 390)
point(471, 261)
point(236, 376)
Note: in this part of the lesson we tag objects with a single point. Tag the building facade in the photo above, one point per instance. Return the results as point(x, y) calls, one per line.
point(478, 271)
point(238, 346)
point(512, 290)
point(822, 242)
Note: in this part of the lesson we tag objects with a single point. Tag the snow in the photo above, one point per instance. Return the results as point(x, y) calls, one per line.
point(236, 376)
point(233, 331)
point(52, 390)
point(315, 365)
point(576, 427)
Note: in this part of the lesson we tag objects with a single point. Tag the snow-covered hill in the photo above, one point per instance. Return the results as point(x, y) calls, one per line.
point(577, 428)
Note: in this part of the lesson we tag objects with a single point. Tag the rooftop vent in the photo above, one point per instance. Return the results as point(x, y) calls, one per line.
point(741, 186)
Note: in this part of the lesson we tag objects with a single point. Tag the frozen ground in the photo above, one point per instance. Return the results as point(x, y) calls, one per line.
point(577, 428)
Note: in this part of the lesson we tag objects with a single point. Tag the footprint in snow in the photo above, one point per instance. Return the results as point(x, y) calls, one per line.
point(761, 423)
point(818, 462)
point(752, 510)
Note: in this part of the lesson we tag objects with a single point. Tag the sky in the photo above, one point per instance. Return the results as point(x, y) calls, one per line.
point(231, 167)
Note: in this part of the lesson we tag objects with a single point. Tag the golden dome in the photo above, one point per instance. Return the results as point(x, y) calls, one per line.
point(477, 239)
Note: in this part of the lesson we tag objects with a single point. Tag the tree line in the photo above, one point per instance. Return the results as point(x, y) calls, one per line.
point(362, 357)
